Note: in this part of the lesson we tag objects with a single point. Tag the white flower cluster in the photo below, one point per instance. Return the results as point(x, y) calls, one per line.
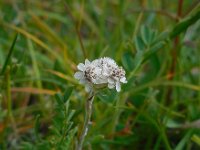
point(103, 71)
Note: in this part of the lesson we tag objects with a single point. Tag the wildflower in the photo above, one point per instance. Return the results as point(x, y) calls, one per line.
point(99, 72)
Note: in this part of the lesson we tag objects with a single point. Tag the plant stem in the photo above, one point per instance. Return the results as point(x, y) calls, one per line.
point(88, 114)
point(8, 93)
point(174, 55)
point(165, 140)
point(10, 118)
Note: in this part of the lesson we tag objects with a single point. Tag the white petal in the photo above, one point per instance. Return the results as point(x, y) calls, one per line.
point(82, 81)
point(123, 80)
point(81, 67)
point(110, 80)
point(102, 81)
point(111, 86)
point(87, 62)
point(106, 71)
point(116, 78)
point(105, 74)
point(78, 75)
point(88, 88)
point(118, 86)
point(95, 81)
point(97, 71)
point(98, 81)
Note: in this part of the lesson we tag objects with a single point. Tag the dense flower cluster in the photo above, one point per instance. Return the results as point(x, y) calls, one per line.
point(103, 71)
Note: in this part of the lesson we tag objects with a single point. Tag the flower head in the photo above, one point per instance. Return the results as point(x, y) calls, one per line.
point(102, 71)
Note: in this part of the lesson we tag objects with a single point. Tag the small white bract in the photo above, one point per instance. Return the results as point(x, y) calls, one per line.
point(102, 71)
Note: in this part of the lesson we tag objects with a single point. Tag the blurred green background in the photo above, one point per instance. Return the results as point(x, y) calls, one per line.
point(156, 41)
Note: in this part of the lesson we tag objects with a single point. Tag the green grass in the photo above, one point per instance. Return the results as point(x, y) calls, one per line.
point(157, 42)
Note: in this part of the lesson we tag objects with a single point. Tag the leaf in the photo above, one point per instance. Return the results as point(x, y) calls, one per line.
point(171, 123)
point(153, 50)
point(184, 140)
point(139, 57)
point(57, 124)
point(153, 36)
point(146, 35)
point(9, 54)
point(184, 24)
point(128, 61)
point(162, 36)
point(139, 44)
point(59, 98)
point(37, 126)
point(107, 96)
point(137, 63)
point(196, 139)
point(67, 94)
point(71, 136)
point(71, 114)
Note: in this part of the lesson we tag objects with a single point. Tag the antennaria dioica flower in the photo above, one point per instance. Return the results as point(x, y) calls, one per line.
point(103, 71)
point(97, 74)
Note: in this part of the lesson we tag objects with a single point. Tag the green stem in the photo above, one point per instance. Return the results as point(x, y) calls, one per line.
point(120, 103)
point(10, 117)
point(65, 126)
point(139, 19)
point(165, 140)
point(8, 93)
point(88, 114)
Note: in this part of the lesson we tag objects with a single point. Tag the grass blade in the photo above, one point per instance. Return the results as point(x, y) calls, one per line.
point(183, 25)
point(9, 54)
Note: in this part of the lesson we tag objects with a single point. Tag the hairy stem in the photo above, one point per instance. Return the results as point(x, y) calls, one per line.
point(88, 114)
